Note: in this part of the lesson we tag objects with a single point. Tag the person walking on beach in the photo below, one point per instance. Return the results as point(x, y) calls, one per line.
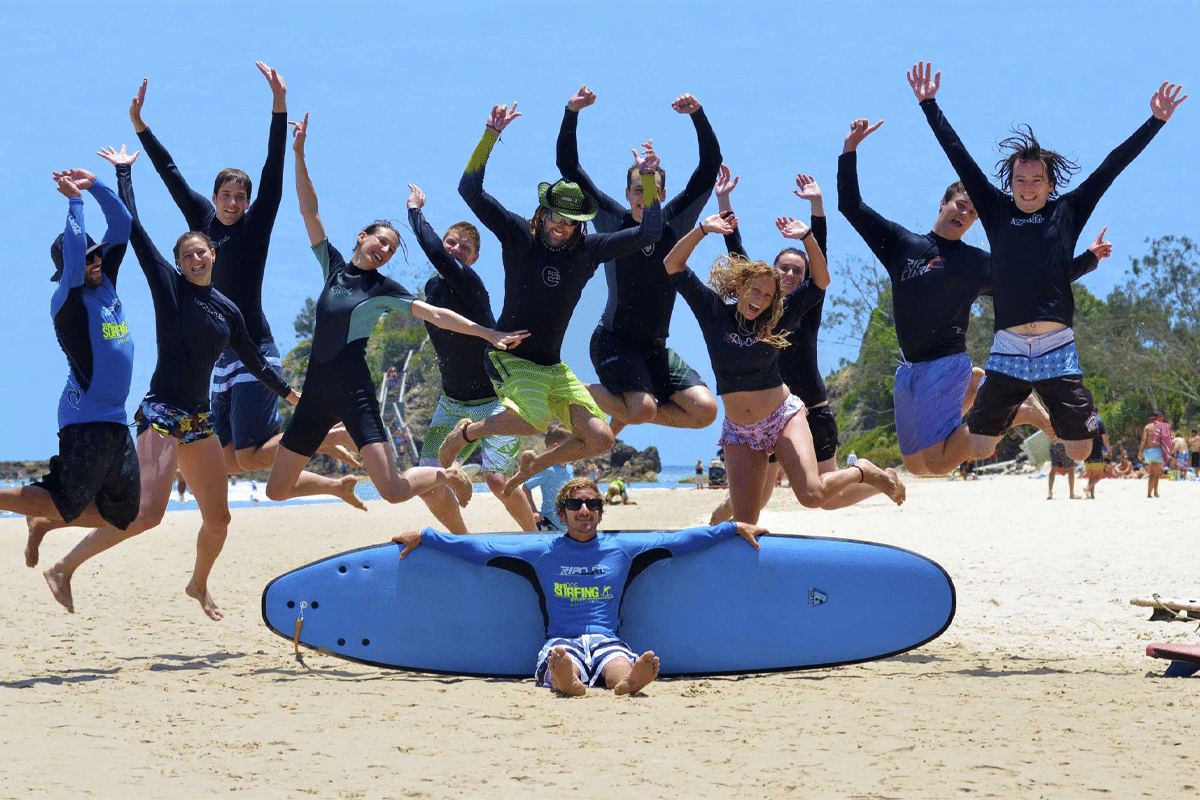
point(467, 392)
point(1061, 464)
point(1094, 464)
point(1032, 231)
point(547, 261)
point(96, 466)
point(582, 612)
point(641, 380)
point(245, 413)
point(1156, 448)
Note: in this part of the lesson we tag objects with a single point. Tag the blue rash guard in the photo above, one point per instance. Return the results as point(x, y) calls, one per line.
point(193, 324)
point(542, 285)
point(580, 584)
point(1032, 267)
point(640, 295)
point(90, 321)
point(460, 289)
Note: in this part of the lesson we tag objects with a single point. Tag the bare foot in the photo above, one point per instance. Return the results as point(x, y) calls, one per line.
point(206, 602)
point(524, 472)
point(461, 484)
point(38, 528)
point(340, 452)
point(1076, 497)
point(454, 443)
point(644, 671)
point(60, 587)
point(563, 677)
point(345, 491)
point(615, 425)
point(885, 480)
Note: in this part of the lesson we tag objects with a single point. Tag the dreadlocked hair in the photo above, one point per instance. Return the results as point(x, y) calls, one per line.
point(731, 274)
point(1023, 146)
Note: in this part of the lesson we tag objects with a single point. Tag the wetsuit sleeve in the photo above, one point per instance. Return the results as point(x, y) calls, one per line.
point(802, 300)
point(684, 209)
point(608, 246)
point(1084, 263)
point(480, 551)
point(160, 275)
point(979, 189)
point(328, 257)
point(195, 206)
point(733, 244)
point(119, 224)
point(567, 159)
point(700, 298)
point(692, 540)
point(73, 251)
point(1085, 196)
point(247, 351)
point(499, 220)
point(881, 235)
point(820, 229)
point(260, 216)
point(431, 244)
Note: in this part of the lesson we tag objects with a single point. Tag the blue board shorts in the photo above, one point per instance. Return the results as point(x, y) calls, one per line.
point(928, 397)
point(244, 411)
point(1153, 455)
point(590, 652)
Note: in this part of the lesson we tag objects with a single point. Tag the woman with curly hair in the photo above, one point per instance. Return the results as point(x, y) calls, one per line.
point(743, 317)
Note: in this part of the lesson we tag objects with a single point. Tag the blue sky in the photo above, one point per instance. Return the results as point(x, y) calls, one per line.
point(399, 93)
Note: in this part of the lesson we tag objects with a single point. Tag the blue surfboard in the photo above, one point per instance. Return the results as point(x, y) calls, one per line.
point(799, 602)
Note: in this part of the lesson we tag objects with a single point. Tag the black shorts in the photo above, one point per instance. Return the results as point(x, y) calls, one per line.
point(823, 424)
point(341, 390)
point(1072, 411)
point(96, 462)
point(624, 365)
point(1196, 459)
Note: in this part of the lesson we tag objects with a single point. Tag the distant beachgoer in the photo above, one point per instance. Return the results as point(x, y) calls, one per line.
point(699, 474)
point(548, 481)
point(618, 493)
point(582, 644)
point(1194, 449)
point(1181, 457)
point(1061, 464)
point(1156, 448)
point(1094, 464)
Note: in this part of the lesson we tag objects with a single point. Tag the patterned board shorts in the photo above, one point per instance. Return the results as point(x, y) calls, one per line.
point(763, 434)
point(499, 452)
point(590, 652)
point(186, 426)
point(537, 392)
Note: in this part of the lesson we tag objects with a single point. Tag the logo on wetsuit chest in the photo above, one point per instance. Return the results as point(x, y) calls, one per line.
point(917, 267)
point(582, 594)
point(648, 250)
point(339, 291)
point(212, 312)
point(1036, 219)
point(599, 569)
point(551, 276)
point(741, 341)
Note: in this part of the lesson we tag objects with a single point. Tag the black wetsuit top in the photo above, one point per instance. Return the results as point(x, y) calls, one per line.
point(740, 361)
point(193, 324)
point(350, 305)
point(458, 288)
point(1097, 453)
point(242, 246)
point(640, 295)
point(798, 361)
point(541, 285)
point(1032, 266)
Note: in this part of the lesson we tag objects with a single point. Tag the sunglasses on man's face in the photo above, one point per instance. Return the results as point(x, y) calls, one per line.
point(559, 219)
point(576, 503)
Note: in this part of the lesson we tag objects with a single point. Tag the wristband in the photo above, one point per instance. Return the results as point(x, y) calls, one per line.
point(802, 238)
point(702, 231)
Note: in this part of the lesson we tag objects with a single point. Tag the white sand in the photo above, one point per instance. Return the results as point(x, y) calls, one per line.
point(1040, 688)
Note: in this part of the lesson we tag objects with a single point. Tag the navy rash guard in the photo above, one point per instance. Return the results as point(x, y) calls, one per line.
point(740, 361)
point(542, 286)
point(580, 584)
point(242, 246)
point(90, 321)
point(1032, 266)
point(458, 288)
point(193, 324)
point(640, 295)
point(798, 361)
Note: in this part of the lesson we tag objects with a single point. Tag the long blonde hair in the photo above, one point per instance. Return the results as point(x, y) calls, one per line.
point(731, 274)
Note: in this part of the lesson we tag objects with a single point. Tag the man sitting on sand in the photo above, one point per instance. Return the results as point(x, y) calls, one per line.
point(581, 578)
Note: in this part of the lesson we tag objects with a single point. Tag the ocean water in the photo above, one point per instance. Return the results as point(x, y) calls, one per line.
point(249, 494)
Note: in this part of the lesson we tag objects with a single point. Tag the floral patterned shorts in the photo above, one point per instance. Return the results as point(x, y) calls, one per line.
point(186, 426)
point(763, 434)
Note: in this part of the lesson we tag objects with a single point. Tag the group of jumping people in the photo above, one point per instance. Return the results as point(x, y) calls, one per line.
point(212, 405)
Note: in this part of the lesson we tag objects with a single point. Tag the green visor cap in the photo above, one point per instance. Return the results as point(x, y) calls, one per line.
point(568, 199)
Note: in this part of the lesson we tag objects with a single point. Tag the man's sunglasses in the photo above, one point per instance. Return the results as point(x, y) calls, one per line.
point(559, 219)
point(576, 503)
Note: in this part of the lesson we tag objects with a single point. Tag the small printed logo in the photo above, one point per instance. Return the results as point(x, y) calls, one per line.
point(816, 597)
point(1093, 422)
point(339, 291)
point(551, 276)
point(648, 250)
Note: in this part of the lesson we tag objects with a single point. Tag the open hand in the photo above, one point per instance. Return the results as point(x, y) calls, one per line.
point(135, 107)
point(724, 223)
point(1166, 100)
point(507, 341)
point(924, 87)
point(66, 187)
point(112, 156)
point(725, 184)
point(647, 162)
point(278, 87)
point(791, 228)
point(501, 116)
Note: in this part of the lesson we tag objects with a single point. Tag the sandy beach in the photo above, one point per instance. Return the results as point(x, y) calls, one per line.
point(1040, 688)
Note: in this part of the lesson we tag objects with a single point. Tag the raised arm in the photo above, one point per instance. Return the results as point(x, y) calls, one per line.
point(684, 208)
point(567, 157)
point(807, 189)
point(74, 244)
point(451, 321)
point(723, 189)
point(305, 192)
point(195, 206)
point(119, 220)
point(160, 273)
point(1089, 259)
point(794, 229)
point(431, 244)
point(649, 230)
point(676, 260)
point(879, 234)
point(490, 212)
point(270, 185)
point(979, 189)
